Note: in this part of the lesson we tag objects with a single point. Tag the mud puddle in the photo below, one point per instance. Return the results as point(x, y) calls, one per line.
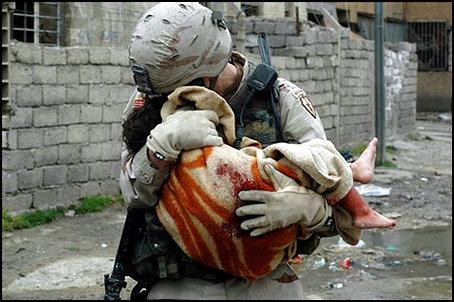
point(397, 264)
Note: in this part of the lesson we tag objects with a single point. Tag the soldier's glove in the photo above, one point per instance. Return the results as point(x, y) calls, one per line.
point(289, 204)
point(184, 130)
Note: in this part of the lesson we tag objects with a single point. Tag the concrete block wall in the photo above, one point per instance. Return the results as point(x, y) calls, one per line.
point(401, 77)
point(65, 138)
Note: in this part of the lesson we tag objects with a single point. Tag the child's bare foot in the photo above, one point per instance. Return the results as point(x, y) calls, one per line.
point(372, 219)
point(363, 167)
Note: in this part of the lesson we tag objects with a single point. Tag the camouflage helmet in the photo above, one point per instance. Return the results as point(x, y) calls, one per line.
point(180, 42)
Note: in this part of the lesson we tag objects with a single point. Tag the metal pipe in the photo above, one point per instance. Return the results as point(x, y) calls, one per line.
point(380, 119)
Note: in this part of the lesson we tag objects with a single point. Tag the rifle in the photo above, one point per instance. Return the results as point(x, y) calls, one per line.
point(114, 283)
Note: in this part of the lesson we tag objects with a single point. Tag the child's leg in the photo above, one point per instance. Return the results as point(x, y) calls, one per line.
point(363, 167)
point(363, 216)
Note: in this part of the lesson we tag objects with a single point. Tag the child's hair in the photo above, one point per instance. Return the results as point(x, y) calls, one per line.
point(140, 122)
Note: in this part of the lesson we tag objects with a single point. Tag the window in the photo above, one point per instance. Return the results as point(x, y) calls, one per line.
point(315, 17)
point(37, 22)
point(250, 9)
point(431, 40)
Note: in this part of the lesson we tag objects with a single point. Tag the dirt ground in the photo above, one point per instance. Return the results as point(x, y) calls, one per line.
point(68, 258)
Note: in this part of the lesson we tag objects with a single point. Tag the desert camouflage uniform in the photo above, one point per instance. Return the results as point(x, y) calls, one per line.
point(140, 184)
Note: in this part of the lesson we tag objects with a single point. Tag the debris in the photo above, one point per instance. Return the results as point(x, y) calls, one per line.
point(391, 248)
point(336, 285)
point(298, 259)
point(445, 117)
point(373, 190)
point(20, 250)
point(342, 244)
point(70, 213)
point(392, 215)
point(424, 179)
point(333, 267)
point(103, 245)
point(376, 265)
point(319, 263)
point(345, 263)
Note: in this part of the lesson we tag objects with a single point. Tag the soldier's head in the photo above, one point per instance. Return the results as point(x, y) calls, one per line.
point(178, 44)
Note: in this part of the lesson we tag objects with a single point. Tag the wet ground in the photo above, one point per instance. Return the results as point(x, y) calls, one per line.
point(68, 258)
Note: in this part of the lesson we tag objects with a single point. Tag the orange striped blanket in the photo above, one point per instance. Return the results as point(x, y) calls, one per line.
point(198, 200)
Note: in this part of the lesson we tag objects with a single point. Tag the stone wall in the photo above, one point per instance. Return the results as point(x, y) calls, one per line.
point(64, 140)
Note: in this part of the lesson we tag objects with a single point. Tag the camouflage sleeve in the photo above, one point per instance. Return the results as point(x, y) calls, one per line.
point(300, 121)
point(140, 182)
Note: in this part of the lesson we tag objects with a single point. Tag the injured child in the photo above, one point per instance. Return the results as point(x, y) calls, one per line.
point(198, 201)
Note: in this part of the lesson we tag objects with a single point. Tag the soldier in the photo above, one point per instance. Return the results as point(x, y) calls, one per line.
point(180, 44)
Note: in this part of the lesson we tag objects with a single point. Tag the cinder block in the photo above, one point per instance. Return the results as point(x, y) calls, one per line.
point(116, 132)
point(285, 28)
point(29, 54)
point(91, 114)
point(9, 181)
point(45, 116)
point(91, 153)
point(29, 96)
point(77, 94)
point(110, 74)
point(112, 113)
point(98, 94)
point(100, 55)
point(110, 187)
point(29, 138)
point(264, 26)
point(54, 56)
point(68, 74)
point(120, 93)
point(54, 175)
point(29, 179)
point(43, 199)
point(78, 133)
point(119, 56)
point(77, 55)
point(17, 160)
point(126, 76)
point(90, 188)
point(53, 94)
point(45, 156)
point(68, 195)
point(55, 136)
point(17, 203)
point(99, 133)
point(99, 170)
point(111, 150)
point(69, 153)
point(78, 173)
point(89, 74)
point(21, 74)
point(68, 114)
point(44, 74)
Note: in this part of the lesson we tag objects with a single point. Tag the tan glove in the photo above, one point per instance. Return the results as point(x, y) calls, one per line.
point(184, 130)
point(290, 204)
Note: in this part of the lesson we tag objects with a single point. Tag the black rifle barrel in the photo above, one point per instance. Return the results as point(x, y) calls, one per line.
point(264, 48)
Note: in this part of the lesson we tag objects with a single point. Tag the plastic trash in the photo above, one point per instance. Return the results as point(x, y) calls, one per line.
point(342, 244)
point(424, 179)
point(373, 190)
point(336, 285)
point(319, 263)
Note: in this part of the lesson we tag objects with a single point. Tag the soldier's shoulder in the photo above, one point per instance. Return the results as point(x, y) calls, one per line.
point(290, 90)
